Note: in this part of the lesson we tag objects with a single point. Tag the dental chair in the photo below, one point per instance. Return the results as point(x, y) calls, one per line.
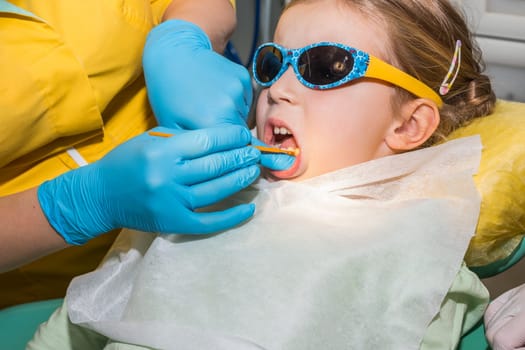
point(475, 338)
point(19, 323)
point(498, 243)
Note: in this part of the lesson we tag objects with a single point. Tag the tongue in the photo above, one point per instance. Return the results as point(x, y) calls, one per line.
point(289, 143)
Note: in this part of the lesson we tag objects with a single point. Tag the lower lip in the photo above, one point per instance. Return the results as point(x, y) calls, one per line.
point(290, 172)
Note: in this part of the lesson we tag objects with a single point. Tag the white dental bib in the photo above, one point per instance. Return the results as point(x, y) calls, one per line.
point(356, 259)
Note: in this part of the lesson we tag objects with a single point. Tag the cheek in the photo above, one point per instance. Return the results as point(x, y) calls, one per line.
point(348, 129)
point(329, 143)
point(335, 117)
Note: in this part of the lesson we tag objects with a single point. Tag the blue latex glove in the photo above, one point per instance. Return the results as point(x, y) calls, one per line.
point(190, 86)
point(274, 161)
point(154, 184)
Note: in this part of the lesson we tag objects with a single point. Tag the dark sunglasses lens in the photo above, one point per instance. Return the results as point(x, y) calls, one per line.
point(268, 63)
point(323, 65)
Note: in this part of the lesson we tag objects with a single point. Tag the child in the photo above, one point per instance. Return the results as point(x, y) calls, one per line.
point(276, 282)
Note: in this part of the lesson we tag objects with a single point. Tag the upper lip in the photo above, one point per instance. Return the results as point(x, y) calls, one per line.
point(271, 125)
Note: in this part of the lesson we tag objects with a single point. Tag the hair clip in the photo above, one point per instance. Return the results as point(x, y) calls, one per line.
point(446, 85)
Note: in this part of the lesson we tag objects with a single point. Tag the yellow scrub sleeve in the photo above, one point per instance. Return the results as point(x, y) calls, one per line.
point(66, 82)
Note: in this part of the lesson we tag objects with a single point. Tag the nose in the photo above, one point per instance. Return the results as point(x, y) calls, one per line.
point(285, 89)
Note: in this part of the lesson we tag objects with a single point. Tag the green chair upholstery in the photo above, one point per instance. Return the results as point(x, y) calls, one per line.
point(475, 338)
point(19, 323)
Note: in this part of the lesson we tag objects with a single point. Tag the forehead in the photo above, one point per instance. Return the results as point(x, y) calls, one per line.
point(330, 20)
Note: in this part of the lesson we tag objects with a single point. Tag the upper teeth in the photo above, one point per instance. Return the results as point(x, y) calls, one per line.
point(281, 130)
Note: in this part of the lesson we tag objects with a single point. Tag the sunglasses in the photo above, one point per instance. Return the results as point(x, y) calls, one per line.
point(327, 65)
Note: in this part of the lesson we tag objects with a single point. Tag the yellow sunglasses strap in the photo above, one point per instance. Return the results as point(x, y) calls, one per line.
point(383, 71)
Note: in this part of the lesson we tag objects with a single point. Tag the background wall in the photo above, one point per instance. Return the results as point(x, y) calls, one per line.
point(243, 36)
point(499, 27)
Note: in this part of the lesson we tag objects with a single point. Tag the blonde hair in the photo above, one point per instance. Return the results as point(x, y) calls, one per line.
point(422, 39)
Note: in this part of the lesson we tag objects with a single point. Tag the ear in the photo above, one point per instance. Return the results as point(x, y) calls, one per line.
point(418, 120)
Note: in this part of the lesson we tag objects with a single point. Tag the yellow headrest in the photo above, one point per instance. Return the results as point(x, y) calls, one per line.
point(501, 182)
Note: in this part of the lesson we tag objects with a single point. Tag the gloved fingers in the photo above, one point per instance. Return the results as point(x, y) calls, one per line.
point(209, 222)
point(274, 161)
point(277, 161)
point(496, 306)
point(210, 192)
point(504, 320)
point(507, 333)
point(232, 100)
point(236, 86)
point(199, 143)
point(510, 302)
point(209, 167)
point(173, 33)
point(201, 88)
point(243, 105)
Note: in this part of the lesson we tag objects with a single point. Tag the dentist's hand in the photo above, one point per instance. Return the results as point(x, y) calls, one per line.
point(190, 86)
point(154, 184)
point(274, 161)
point(505, 320)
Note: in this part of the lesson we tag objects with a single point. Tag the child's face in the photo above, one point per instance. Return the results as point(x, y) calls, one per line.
point(332, 128)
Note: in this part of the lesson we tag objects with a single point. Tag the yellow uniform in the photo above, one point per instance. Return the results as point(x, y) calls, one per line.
point(71, 77)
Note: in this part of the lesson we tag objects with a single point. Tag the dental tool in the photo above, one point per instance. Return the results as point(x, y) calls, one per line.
point(264, 149)
point(290, 152)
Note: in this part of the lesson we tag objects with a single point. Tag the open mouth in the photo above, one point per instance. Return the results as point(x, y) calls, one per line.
point(281, 137)
point(278, 135)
